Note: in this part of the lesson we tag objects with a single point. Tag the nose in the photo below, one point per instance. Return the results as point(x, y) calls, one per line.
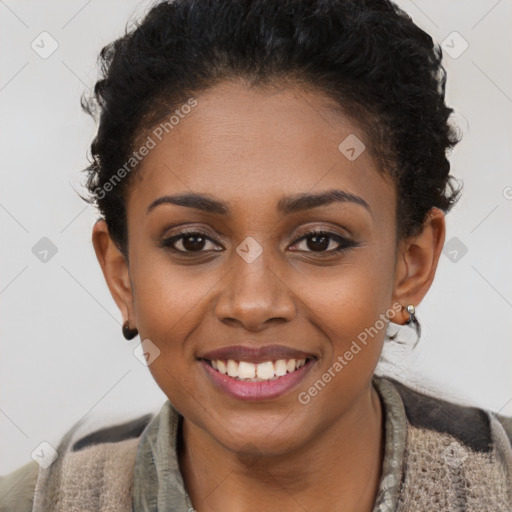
point(254, 295)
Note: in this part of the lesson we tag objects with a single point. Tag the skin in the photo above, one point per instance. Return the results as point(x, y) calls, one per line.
point(249, 147)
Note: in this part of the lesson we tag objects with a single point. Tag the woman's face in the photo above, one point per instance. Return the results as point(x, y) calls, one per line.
point(252, 286)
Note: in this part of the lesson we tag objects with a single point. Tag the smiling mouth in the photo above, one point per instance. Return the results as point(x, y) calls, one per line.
point(246, 371)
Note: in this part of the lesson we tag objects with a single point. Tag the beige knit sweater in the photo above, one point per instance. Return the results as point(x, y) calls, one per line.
point(439, 456)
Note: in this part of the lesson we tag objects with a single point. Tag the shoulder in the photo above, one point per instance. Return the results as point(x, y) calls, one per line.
point(17, 488)
point(506, 423)
point(470, 425)
point(112, 434)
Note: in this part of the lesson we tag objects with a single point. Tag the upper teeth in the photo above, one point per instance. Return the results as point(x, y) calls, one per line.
point(267, 370)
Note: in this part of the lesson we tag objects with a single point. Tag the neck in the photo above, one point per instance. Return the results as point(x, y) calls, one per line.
point(338, 470)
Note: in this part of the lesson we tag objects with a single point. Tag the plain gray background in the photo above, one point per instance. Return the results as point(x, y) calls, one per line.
point(62, 354)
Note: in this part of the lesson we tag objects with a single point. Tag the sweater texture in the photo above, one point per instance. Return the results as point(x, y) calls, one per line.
point(438, 456)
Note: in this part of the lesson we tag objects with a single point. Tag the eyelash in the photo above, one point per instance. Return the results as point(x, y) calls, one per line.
point(344, 244)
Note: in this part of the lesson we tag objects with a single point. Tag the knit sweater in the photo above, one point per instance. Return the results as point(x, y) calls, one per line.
point(438, 456)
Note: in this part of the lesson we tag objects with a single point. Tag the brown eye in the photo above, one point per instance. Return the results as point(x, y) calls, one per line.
point(187, 242)
point(320, 241)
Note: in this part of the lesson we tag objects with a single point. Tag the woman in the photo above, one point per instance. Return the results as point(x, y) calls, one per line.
point(272, 179)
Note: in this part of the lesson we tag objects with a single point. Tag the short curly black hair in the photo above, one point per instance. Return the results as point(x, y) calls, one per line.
point(367, 55)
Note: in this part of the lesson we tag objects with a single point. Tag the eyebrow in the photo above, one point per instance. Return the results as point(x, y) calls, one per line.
point(286, 205)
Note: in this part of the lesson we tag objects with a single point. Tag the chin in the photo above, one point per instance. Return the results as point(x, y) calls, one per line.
point(273, 436)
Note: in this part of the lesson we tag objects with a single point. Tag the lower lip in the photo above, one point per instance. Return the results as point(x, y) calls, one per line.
point(263, 390)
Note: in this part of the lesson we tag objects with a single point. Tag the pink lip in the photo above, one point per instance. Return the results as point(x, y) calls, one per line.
point(256, 354)
point(257, 390)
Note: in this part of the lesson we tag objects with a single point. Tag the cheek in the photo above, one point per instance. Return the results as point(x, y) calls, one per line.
point(354, 294)
point(169, 305)
point(169, 299)
point(347, 305)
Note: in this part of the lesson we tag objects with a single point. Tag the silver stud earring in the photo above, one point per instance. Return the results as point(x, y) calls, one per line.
point(413, 320)
point(411, 310)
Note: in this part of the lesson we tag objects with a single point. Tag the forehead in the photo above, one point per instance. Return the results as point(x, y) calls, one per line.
point(243, 144)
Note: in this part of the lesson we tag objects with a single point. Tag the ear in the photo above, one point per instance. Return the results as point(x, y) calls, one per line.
point(416, 263)
point(115, 269)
